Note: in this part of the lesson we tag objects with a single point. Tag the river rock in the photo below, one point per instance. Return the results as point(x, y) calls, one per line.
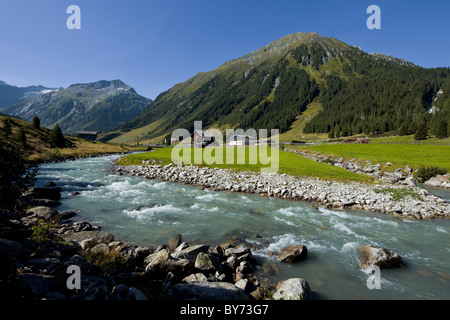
point(293, 253)
point(51, 193)
point(9, 247)
point(203, 262)
point(68, 214)
point(237, 251)
point(440, 181)
point(191, 252)
point(383, 258)
point(96, 236)
point(242, 284)
point(207, 291)
point(82, 226)
point(162, 263)
point(36, 284)
point(45, 213)
point(195, 277)
point(293, 289)
point(140, 253)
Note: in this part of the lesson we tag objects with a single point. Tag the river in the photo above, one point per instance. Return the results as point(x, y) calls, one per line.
point(150, 212)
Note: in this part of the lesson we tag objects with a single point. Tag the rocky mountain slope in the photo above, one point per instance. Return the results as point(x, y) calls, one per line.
point(10, 95)
point(97, 106)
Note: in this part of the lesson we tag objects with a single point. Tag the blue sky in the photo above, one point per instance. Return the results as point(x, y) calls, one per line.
point(154, 44)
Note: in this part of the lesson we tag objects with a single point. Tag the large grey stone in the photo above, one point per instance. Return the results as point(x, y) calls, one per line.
point(45, 213)
point(203, 262)
point(207, 291)
point(293, 289)
point(96, 236)
point(162, 262)
point(191, 252)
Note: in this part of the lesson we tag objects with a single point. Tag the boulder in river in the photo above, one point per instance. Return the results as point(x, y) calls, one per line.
point(372, 255)
point(293, 253)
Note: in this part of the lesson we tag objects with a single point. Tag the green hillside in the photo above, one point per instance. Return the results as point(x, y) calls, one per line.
point(272, 87)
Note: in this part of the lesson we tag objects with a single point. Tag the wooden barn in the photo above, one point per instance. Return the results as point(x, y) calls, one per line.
point(87, 135)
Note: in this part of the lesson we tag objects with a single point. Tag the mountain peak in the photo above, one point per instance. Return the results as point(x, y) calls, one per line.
point(101, 84)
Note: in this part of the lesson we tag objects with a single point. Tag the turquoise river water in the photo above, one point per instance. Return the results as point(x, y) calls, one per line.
point(150, 212)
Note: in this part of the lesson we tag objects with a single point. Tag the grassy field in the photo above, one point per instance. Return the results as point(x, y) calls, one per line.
point(288, 163)
point(399, 155)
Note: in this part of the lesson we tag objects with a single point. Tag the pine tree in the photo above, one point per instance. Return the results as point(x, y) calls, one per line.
point(403, 131)
point(36, 122)
point(421, 132)
point(441, 129)
point(337, 132)
point(412, 127)
point(56, 138)
point(331, 133)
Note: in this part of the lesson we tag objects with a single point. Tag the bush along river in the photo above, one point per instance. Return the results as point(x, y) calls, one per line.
point(149, 212)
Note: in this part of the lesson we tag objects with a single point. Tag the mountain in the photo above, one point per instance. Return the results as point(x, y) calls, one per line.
point(10, 95)
point(274, 86)
point(97, 106)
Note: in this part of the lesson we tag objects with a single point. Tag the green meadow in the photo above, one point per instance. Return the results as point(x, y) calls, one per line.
point(413, 155)
point(248, 159)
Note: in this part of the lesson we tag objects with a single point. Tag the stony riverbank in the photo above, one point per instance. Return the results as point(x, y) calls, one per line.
point(41, 247)
point(399, 200)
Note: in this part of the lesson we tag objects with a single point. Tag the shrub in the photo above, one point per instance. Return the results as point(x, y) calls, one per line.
point(21, 137)
point(7, 126)
point(400, 193)
point(425, 173)
point(106, 260)
point(41, 231)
